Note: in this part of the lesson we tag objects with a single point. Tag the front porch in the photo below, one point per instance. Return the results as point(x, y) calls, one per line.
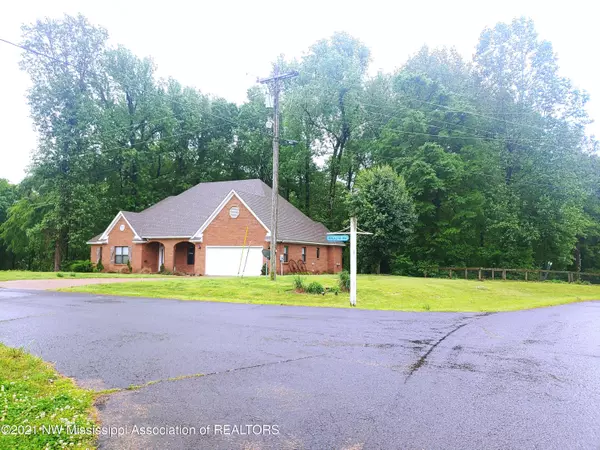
point(166, 255)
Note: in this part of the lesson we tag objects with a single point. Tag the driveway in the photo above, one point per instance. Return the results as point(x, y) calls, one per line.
point(316, 378)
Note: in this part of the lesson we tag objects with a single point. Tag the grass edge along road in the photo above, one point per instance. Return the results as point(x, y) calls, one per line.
point(13, 275)
point(37, 404)
point(374, 292)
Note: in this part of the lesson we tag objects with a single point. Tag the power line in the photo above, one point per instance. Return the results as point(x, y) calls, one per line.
point(492, 139)
point(66, 63)
point(405, 108)
point(476, 114)
point(35, 52)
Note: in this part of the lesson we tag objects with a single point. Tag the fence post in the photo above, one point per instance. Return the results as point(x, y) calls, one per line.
point(525, 275)
point(450, 273)
point(466, 275)
point(479, 275)
point(504, 274)
point(493, 273)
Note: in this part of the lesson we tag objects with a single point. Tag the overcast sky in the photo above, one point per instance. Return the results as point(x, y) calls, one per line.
point(221, 47)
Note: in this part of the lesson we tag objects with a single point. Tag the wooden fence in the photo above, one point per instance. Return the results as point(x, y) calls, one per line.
point(482, 273)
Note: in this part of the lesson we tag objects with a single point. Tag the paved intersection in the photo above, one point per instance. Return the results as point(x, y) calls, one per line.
point(324, 378)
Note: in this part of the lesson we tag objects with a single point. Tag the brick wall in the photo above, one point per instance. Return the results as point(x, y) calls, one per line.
point(329, 260)
point(181, 252)
point(118, 238)
point(150, 257)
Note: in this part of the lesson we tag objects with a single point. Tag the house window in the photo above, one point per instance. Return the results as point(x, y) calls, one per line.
point(285, 253)
point(318, 252)
point(191, 253)
point(303, 254)
point(121, 255)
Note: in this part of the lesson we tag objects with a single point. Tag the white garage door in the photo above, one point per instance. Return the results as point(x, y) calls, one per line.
point(234, 261)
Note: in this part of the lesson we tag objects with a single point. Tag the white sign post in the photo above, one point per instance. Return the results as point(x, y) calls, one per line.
point(342, 236)
point(353, 230)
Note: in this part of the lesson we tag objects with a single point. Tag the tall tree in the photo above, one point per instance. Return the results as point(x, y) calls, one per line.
point(383, 206)
point(327, 96)
point(63, 110)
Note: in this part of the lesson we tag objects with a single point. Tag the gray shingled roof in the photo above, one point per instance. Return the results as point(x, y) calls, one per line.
point(184, 214)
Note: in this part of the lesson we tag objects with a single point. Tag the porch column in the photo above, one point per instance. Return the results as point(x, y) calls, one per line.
point(137, 257)
point(169, 256)
point(200, 259)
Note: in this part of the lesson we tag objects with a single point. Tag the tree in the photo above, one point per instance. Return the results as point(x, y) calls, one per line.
point(492, 150)
point(63, 110)
point(382, 205)
point(8, 196)
point(326, 99)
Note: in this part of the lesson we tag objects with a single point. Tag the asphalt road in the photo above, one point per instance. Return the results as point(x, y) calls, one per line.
point(316, 378)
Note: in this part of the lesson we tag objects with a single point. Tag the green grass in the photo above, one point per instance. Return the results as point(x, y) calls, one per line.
point(374, 292)
point(10, 275)
point(33, 395)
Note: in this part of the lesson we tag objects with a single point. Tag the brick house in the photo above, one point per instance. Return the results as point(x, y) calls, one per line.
point(218, 228)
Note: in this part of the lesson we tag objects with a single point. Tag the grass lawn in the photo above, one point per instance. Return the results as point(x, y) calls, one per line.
point(374, 292)
point(9, 275)
point(33, 395)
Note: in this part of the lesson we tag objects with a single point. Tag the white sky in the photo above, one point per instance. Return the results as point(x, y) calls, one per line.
point(221, 47)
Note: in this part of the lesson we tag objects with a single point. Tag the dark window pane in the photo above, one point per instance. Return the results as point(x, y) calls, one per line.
point(191, 254)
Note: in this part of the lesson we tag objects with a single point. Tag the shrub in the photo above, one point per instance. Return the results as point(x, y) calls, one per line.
point(299, 283)
point(263, 270)
point(72, 274)
point(162, 268)
point(315, 288)
point(334, 290)
point(99, 266)
point(129, 266)
point(60, 275)
point(78, 266)
point(345, 281)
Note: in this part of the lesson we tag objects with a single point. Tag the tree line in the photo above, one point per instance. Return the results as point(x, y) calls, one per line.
point(448, 161)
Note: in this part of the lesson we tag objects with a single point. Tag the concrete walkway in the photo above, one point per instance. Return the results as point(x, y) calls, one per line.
point(41, 285)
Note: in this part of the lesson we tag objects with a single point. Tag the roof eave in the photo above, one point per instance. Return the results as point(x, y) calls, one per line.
point(329, 244)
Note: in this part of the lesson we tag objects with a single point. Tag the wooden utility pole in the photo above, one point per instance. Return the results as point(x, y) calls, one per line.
point(275, 88)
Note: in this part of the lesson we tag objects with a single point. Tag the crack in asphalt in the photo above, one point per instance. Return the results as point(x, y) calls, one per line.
point(423, 359)
point(136, 387)
point(27, 317)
